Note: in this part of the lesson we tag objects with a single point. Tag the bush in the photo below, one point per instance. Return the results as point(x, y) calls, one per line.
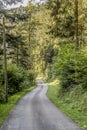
point(68, 75)
point(15, 77)
point(50, 73)
point(29, 79)
point(18, 79)
point(2, 97)
point(71, 67)
point(30, 75)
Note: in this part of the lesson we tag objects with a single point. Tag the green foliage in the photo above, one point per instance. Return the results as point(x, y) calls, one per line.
point(15, 77)
point(1, 73)
point(69, 66)
point(20, 25)
point(75, 108)
point(18, 79)
point(64, 66)
point(1, 78)
point(63, 17)
point(50, 73)
point(49, 53)
point(2, 97)
point(30, 74)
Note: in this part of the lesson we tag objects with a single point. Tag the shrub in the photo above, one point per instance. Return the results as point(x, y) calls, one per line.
point(15, 77)
point(2, 97)
point(71, 67)
point(30, 75)
point(18, 79)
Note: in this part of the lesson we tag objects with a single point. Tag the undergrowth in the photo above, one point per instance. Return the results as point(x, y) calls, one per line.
point(73, 102)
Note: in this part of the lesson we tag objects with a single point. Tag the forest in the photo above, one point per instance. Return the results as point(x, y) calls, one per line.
point(47, 41)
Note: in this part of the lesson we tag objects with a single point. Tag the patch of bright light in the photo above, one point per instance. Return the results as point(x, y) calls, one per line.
point(24, 3)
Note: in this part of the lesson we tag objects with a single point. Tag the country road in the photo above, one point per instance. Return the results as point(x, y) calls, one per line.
point(36, 112)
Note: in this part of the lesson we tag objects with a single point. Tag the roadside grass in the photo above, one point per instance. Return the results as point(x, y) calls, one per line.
point(5, 108)
point(69, 103)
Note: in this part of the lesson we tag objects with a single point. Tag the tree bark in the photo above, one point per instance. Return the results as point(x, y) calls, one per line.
point(76, 26)
point(5, 63)
point(17, 55)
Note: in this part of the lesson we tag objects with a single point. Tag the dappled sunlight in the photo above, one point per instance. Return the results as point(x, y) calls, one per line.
point(54, 82)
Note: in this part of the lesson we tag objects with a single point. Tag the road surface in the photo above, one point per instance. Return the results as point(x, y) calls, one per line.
point(36, 112)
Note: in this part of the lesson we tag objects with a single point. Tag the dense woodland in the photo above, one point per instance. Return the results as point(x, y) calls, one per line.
point(45, 40)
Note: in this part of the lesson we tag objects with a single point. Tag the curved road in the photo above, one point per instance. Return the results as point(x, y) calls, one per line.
point(36, 112)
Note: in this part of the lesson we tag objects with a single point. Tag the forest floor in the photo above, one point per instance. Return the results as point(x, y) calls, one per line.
point(36, 112)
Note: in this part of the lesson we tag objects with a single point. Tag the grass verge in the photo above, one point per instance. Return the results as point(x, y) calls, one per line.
point(6, 108)
point(68, 104)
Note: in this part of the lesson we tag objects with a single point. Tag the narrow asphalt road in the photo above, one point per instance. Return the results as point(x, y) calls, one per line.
point(36, 112)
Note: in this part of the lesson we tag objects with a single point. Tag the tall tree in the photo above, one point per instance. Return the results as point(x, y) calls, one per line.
point(5, 62)
point(76, 26)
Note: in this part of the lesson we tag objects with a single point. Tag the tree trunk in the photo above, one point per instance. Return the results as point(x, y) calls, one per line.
point(5, 63)
point(76, 26)
point(76, 40)
point(17, 55)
